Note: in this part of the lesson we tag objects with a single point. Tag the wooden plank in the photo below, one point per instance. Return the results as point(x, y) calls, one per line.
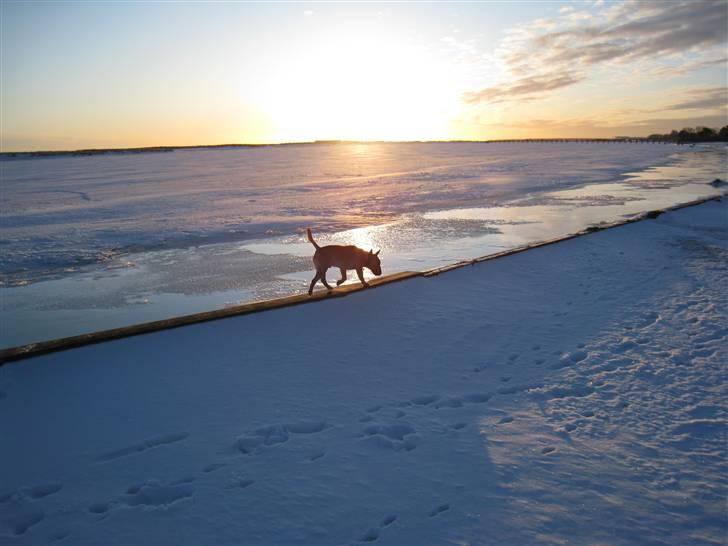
point(44, 347)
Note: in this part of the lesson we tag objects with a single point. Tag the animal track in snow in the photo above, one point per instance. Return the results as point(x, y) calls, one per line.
point(477, 398)
point(460, 401)
point(570, 358)
point(19, 524)
point(452, 402)
point(212, 467)
point(142, 446)
point(567, 391)
point(40, 491)
point(425, 400)
point(513, 389)
point(155, 494)
point(186, 479)
point(649, 319)
point(241, 484)
point(276, 434)
point(397, 436)
point(100, 508)
point(370, 536)
point(372, 533)
point(439, 510)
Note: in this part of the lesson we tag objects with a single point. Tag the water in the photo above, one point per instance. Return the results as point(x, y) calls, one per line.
point(98, 242)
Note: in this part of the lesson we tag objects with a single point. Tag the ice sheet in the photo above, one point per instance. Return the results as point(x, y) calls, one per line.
point(98, 242)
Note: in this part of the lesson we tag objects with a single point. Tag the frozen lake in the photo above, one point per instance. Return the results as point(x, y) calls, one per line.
point(97, 242)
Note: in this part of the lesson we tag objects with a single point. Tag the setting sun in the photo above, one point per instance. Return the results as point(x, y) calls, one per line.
point(359, 87)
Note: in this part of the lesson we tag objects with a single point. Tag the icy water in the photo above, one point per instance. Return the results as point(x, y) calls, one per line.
point(97, 242)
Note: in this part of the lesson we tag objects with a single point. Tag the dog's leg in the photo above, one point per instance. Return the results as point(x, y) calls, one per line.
point(323, 279)
point(360, 274)
point(343, 277)
point(313, 283)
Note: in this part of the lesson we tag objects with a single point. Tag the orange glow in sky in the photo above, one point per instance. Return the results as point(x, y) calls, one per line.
point(98, 74)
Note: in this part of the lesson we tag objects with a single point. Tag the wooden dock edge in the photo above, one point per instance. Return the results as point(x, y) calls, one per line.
point(44, 347)
point(36, 349)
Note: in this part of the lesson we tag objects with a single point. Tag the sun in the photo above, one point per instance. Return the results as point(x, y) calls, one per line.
point(350, 87)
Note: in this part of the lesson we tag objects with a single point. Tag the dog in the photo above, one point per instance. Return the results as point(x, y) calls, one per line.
point(343, 257)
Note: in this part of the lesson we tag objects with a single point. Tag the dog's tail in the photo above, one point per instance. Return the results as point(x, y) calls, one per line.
point(310, 238)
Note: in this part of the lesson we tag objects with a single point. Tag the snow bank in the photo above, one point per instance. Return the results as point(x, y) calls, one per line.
point(572, 393)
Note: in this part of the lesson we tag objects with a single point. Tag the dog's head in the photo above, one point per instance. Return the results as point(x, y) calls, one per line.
point(373, 262)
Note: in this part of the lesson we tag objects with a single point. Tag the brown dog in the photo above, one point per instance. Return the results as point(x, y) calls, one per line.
point(343, 257)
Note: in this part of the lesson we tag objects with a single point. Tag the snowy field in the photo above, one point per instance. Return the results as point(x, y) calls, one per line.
point(571, 394)
point(99, 242)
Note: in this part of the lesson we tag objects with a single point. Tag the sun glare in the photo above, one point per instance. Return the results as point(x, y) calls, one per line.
point(357, 88)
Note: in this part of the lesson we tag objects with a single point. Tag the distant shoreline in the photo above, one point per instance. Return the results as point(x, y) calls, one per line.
point(165, 149)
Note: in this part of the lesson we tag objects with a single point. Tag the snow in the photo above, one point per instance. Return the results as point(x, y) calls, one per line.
point(106, 241)
point(573, 393)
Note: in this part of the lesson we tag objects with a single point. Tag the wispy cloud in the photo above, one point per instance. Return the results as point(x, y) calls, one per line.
point(603, 127)
point(523, 87)
point(703, 99)
point(690, 66)
point(549, 55)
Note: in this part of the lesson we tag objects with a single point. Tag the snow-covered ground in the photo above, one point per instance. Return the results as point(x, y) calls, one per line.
point(574, 393)
point(98, 242)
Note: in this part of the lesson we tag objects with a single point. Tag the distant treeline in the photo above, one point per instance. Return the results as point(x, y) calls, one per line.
point(689, 134)
point(697, 134)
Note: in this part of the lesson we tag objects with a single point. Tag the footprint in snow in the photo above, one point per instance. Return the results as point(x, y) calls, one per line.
point(439, 510)
point(241, 484)
point(151, 443)
point(41, 491)
point(370, 536)
point(212, 467)
point(154, 494)
point(276, 434)
point(372, 533)
point(20, 523)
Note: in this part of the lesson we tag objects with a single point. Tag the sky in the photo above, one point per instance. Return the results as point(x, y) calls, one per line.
point(124, 74)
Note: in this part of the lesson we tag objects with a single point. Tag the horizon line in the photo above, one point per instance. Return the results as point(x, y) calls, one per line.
point(171, 148)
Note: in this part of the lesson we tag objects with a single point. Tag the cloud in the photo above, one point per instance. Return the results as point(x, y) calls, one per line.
point(565, 52)
point(523, 87)
point(602, 127)
point(704, 99)
point(687, 67)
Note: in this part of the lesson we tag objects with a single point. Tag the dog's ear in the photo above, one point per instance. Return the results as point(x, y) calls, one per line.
point(371, 251)
point(377, 252)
